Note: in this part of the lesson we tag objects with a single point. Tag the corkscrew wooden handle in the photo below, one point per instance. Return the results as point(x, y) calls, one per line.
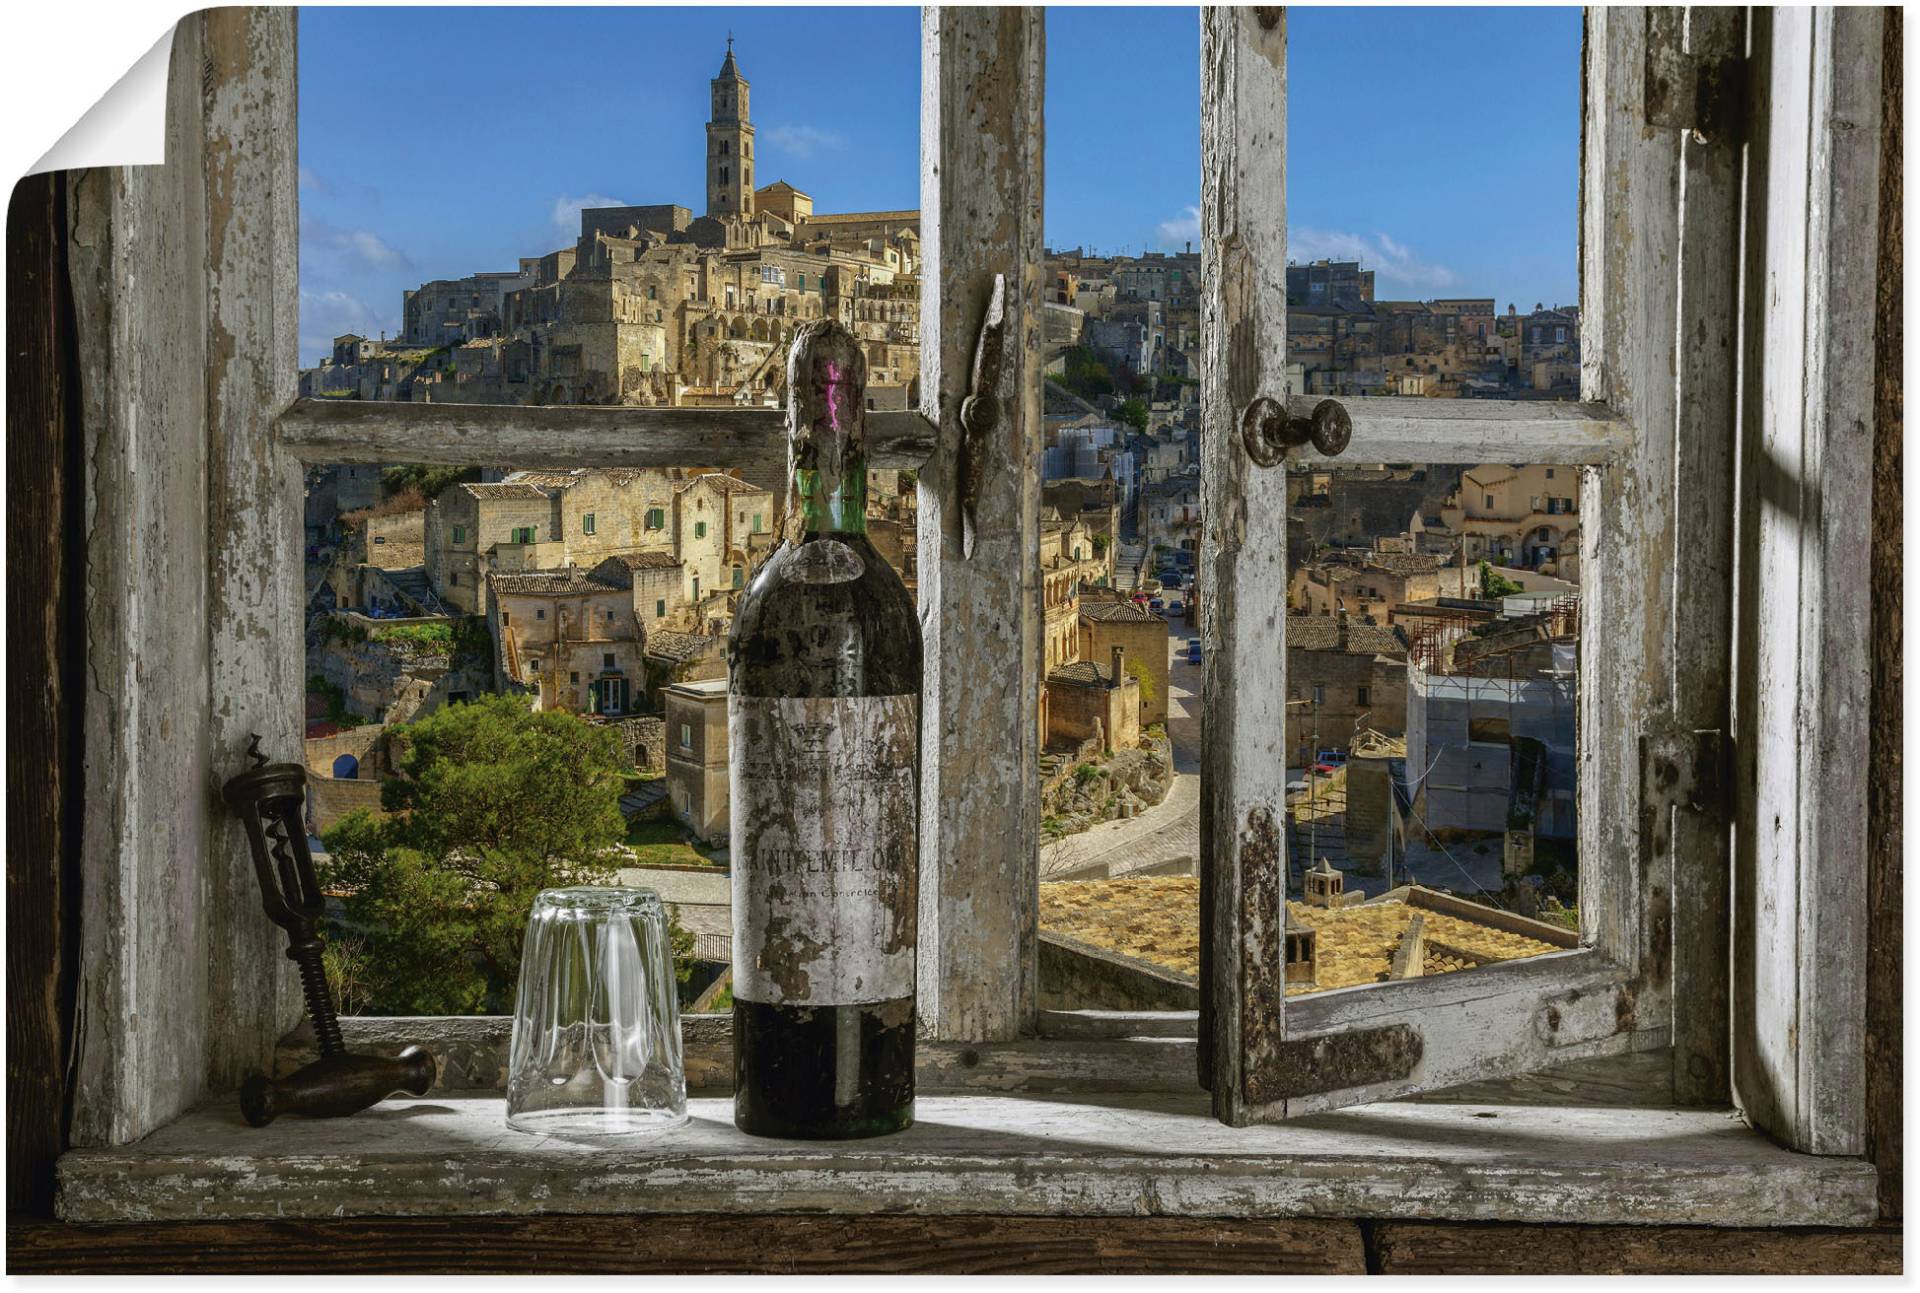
point(336, 1086)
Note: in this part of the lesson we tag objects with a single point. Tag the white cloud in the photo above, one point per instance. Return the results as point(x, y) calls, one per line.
point(1392, 261)
point(328, 313)
point(310, 181)
point(566, 210)
point(362, 246)
point(804, 141)
point(1184, 228)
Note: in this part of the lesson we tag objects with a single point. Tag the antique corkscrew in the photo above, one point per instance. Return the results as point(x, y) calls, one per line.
point(270, 800)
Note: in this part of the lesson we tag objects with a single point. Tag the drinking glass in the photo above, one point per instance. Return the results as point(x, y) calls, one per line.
point(596, 1026)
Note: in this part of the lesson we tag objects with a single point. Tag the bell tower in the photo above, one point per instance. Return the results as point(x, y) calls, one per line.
point(729, 144)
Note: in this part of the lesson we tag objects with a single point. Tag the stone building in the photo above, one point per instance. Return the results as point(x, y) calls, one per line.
point(696, 736)
point(654, 305)
point(570, 638)
point(1105, 625)
point(1365, 586)
point(448, 311)
point(1527, 516)
point(714, 526)
point(1170, 513)
point(682, 657)
point(1091, 699)
point(1341, 676)
point(1067, 561)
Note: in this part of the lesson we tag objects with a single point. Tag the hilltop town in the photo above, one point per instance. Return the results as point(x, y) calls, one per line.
point(1434, 609)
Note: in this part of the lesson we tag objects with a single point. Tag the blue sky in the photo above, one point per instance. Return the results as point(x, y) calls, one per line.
point(1439, 146)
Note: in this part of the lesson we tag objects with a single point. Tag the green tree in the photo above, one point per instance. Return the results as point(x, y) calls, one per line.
point(491, 804)
point(1085, 375)
point(1148, 692)
point(428, 480)
point(1133, 413)
point(1495, 585)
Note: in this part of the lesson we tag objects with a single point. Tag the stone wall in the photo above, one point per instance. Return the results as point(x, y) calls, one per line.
point(329, 799)
point(1078, 976)
point(645, 742)
point(364, 743)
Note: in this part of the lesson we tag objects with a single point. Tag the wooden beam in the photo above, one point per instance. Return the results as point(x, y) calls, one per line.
point(1242, 567)
point(256, 658)
point(710, 1243)
point(987, 1155)
point(1629, 241)
point(1886, 1095)
point(1405, 429)
point(1699, 844)
point(138, 267)
point(1442, 1248)
point(492, 435)
point(983, 73)
point(1803, 706)
point(44, 682)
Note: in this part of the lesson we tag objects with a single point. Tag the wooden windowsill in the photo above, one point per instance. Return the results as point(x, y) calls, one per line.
point(1117, 1155)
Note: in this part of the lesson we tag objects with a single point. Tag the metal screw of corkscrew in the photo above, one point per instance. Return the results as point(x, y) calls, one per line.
point(270, 800)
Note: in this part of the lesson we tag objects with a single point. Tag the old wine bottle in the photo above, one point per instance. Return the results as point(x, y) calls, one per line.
point(823, 736)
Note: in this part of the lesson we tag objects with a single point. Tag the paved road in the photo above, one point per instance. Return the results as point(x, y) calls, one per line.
point(1164, 840)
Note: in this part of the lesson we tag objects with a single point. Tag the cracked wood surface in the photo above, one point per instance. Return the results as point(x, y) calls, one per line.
point(1030, 1156)
point(489, 435)
point(1242, 561)
point(1806, 443)
point(192, 579)
point(983, 70)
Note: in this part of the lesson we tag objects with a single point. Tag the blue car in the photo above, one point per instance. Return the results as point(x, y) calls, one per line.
point(1156, 605)
point(1193, 650)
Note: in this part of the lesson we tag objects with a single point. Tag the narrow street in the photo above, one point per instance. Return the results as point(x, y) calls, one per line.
point(1164, 840)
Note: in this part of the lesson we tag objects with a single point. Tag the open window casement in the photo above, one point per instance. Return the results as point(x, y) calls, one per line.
point(1665, 139)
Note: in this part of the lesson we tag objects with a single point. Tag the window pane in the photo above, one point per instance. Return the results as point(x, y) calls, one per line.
point(1120, 498)
point(1437, 639)
point(1401, 283)
point(596, 601)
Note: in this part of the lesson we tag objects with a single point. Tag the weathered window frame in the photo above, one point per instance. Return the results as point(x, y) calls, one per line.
point(173, 998)
point(1663, 344)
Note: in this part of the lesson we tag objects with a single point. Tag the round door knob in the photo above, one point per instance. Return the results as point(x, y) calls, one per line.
point(1331, 428)
point(1268, 430)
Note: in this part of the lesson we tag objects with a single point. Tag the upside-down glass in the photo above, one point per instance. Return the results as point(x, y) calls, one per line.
point(596, 1028)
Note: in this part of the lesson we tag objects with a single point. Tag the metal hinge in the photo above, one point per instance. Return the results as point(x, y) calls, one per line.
point(1687, 768)
point(1703, 94)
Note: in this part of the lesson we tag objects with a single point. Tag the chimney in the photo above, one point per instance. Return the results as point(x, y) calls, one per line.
point(1119, 665)
point(1341, 618)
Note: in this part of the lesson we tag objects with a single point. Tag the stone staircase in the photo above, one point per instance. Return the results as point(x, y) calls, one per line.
point(643, 796)
point(414, 585)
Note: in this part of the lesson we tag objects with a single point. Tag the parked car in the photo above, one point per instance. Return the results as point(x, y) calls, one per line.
point(1296, 787)
point(1335, 757)
point(1156, 605)
point(1177, 607)
point(1171, 578)
point(1193, 650)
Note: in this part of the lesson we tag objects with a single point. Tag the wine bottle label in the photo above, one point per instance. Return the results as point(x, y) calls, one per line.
point(825, 833)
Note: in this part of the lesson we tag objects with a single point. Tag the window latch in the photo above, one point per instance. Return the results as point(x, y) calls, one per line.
point(980, 411)
point(1695, 92)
